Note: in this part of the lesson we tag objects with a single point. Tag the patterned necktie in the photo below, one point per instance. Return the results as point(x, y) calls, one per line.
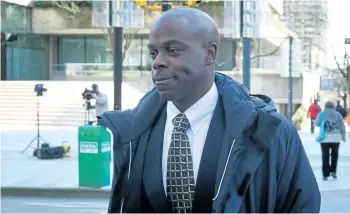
point(180, 176)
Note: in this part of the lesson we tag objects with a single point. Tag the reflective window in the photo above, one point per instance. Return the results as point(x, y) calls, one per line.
point(27, 58)
point(71, 50)
point(146, 58)
point(133, 55)
point(83, 50)
point(97, 51)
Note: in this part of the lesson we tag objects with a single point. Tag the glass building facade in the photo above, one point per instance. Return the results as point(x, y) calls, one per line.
point(87, 49)
point(15, 18)
point(32, 56)
point(95, 49)
point(25, 56)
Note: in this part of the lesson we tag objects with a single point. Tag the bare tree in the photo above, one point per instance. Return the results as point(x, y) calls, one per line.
point(298, 19)
point(239, 52)
point(129, 35)
point(343, 81)
point(275, 50)
point(309, 19)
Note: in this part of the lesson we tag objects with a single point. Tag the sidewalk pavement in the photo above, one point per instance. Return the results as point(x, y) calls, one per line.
point(25, 172)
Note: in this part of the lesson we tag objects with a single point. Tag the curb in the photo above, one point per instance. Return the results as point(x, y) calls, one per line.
point(335, 190)
point(80, 192)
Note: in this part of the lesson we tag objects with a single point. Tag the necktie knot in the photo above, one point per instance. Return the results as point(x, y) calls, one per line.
point(181, 122)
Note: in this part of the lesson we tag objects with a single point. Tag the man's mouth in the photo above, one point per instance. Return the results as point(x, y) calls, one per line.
point(163, 81)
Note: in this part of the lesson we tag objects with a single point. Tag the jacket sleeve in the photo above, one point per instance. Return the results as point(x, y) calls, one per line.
point(115, 197)
point(100, 99)
point(121, 160)
point(298, 190)
point(120, 163)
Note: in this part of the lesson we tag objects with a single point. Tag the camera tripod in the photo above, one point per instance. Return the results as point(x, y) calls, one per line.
point(90, 114)
point(38, 137)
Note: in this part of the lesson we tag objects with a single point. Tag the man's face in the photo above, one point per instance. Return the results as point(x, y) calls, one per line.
point(95, 89)
point(178, 59)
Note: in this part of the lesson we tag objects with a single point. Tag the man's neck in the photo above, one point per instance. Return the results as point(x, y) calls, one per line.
point(183, 105)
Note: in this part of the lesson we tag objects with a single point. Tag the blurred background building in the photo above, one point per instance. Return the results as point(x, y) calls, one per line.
point(309, 19)
point(55, 43)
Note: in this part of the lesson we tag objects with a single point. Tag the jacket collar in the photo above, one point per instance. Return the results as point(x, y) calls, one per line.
point(240, 111)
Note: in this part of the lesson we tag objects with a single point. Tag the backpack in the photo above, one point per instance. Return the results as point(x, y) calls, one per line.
point(322, 131)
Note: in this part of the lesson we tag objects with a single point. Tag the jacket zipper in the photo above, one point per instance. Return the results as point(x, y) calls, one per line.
point(223, 174)
point(130, 152)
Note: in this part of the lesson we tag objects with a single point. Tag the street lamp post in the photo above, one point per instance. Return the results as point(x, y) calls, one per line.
point(165, 6)
point(117, 60)
point(118, 66)
point(290, 80)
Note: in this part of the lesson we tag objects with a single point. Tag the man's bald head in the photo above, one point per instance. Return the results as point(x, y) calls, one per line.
point(183, 45)
point(192, 20)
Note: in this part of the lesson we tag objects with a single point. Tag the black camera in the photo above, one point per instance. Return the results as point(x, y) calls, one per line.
point(87, 94)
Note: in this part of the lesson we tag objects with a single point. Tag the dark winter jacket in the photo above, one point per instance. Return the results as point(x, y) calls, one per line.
point(262, 164)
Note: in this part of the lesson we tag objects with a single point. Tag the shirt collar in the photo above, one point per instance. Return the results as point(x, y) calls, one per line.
point(199, 112)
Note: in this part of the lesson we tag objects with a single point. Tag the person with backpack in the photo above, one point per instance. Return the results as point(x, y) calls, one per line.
point(332, 133)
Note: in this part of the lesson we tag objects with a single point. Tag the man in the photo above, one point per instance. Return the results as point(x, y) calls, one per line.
point(101, 100)
point(198, 142)
point(341, 110)
point(312, 113)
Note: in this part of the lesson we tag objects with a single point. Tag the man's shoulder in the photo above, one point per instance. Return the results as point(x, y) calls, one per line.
point(103, 94)
point(285, 134)
point(339, 114)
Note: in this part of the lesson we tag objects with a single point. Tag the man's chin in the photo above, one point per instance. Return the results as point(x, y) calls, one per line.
point(167, 95)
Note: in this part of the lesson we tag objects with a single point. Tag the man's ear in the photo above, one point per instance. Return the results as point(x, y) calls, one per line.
point(211, 53)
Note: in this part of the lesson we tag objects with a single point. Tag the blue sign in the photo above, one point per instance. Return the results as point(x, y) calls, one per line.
point(347, 41)
point(327, 85)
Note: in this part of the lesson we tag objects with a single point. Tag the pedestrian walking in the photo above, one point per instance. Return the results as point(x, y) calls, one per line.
point(341, 110)
point(312, 113)
point(333, 133)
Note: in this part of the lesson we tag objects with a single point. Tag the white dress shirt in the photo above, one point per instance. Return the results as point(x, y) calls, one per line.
point(199, 116)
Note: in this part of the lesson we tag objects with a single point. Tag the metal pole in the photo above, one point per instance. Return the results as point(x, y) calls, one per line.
point(290, 81)
point(246, 62)
point(3, 75)
point(37, 118)
point(118, 66)
point(117, 60)
point(165, 6)
point(246, 49)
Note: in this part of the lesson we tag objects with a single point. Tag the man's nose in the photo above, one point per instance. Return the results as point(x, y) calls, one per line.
point(159, 62)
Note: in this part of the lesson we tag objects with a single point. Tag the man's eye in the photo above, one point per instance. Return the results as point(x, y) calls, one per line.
point(173, 50)
point(153, 54)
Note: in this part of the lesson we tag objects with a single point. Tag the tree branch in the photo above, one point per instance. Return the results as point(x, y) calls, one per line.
point(128, 38)
point(108, 36)
point(338, 65)
point(269, 53)
point(67, 6)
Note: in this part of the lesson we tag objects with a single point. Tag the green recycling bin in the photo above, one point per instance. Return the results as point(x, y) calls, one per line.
point(94, 156)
